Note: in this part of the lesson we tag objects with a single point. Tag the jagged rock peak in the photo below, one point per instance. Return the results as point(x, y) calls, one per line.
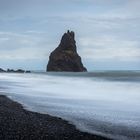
point(68, 41)
point(65, 56)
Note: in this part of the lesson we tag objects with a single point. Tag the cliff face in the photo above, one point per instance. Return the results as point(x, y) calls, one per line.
point(65, 56)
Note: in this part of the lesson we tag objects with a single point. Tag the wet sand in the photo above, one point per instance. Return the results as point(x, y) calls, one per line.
point(16, 123)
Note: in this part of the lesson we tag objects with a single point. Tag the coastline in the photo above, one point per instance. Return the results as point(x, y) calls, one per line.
point(16, 123)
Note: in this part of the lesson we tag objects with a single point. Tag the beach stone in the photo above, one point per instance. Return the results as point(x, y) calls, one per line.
point(16, 123)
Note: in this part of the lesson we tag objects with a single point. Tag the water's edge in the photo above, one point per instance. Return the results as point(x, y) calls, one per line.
point(102, 103)
point(26, 107)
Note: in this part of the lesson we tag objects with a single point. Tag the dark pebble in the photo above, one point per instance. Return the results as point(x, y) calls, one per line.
point(17, 123)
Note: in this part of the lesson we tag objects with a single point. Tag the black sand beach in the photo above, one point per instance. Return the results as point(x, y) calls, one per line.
point(17, 123)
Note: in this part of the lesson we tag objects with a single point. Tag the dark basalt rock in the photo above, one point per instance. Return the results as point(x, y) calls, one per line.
point(15, 71)
point(65, 56)
point(27, 71)
point(2, 70)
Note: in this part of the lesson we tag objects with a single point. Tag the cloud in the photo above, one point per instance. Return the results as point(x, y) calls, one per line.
point(105, 29)
point(109, 48)
point(25, 45)
point(24, 54)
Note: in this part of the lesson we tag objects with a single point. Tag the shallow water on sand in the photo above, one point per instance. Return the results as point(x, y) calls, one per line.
point(105, 103)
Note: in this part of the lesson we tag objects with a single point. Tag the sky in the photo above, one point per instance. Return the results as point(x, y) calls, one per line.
point(107, 32)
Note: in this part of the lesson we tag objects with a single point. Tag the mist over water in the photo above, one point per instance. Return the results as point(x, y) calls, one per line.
point(105, 103)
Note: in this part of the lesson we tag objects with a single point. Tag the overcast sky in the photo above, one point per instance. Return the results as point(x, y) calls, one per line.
point(107, 32)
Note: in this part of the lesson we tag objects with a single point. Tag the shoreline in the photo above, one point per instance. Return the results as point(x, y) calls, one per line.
point(16, 123)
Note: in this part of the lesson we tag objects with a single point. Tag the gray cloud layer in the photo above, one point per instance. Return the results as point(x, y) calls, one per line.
point(106, 30)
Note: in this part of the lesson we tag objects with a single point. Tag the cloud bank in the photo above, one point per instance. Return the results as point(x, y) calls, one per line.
point(106, 31)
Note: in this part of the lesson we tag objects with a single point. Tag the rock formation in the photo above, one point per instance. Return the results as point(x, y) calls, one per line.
point(2, 70)
point(17, 71)
point(14, 71)
point(65, 56)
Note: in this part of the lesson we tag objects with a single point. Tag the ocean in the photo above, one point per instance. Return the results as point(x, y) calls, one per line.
point(105, 103)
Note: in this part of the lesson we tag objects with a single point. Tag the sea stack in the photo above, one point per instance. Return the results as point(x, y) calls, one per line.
point(65, 56)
